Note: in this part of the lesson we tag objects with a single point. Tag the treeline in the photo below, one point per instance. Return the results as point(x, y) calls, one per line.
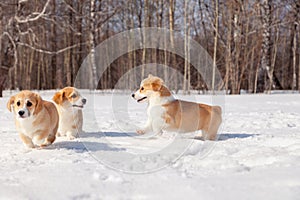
point(254, 43)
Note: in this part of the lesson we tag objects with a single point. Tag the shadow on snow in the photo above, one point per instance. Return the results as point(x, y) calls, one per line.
point(228, 136)
point(79, 145)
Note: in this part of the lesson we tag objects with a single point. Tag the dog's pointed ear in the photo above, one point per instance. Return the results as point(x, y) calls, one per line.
point(38, 106)
point(58, 97)
point(157, 84)
point(150, 76)
point(10, 102)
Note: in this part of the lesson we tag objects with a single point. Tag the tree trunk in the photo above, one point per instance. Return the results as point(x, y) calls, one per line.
point(67, 60)
point(251, 73)
point(166, 53)
point(228, 57)
point(93, 69)
point(146, 24)
point(186, 62)
point(171, 22)
point(54, 49)
point(79, 59)
point(1, 31)
point(294, 43)
point(215, 45)
point(202, 19)
point(273, 61)
point(264, 71)
point(30, 70)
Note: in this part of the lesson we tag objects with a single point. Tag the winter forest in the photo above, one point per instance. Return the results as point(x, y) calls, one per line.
point(254, 43)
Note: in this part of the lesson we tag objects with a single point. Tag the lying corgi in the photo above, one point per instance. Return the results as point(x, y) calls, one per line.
point(36, 119)
point(170, 114)
point(69, 104)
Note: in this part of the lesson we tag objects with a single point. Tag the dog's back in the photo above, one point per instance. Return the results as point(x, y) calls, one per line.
point(184, 116)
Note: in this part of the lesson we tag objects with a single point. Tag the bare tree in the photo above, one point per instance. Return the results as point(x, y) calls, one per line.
point(215, 45)
point(146, 24)
point(92, 63)
point(44, 42)
point(264, 71)
point(295, 33)
point(186, 81)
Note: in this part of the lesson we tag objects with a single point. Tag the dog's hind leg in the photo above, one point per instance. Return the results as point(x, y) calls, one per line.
point(215, 122)
point(50, 139)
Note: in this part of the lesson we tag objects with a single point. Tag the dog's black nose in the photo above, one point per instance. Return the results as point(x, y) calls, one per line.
point(132, 95)
point(21, 112)
point(83, 101)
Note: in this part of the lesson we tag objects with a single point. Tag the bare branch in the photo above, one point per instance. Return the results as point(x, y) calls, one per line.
point(51, 52)
point(70, 7)
point(38, 15)
point(14, 47)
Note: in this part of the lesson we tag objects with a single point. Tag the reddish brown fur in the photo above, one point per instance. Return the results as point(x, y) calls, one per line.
point(45, 115)
point(70, 122)
point(186, 116)
point(26, 140)
point(34, 98)
point(189, 116)
point(164, 92)
point(155, 84)
point(65, 94)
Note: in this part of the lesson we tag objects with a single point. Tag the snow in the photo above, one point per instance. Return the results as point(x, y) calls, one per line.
point(257, 155)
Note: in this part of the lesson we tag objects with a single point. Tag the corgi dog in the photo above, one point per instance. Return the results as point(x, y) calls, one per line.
point(170, 114)
point(69, 103)
point(36, 119)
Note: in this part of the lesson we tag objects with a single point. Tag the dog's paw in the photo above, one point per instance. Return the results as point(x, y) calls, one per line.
point(140, 132)
point(61, 134)
point(71, 137)
point(58, 134)
point(44, 144)
point(29, 145)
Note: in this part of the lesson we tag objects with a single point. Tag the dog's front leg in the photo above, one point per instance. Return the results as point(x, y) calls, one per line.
point(158, 125)
point(72, 134)
point(26, 140)
point(147, 128)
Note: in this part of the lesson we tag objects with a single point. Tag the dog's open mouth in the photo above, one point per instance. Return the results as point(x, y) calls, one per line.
point(139, 100)
point(77, 106)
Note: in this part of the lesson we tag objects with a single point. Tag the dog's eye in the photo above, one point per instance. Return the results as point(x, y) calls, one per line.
point(142, 88)
point(73, 96)
point(18, 103)
point(29, 104)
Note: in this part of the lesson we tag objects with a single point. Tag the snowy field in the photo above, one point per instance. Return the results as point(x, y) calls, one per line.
point(257, 155)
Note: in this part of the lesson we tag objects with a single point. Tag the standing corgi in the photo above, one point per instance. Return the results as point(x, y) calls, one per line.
point(167, 113)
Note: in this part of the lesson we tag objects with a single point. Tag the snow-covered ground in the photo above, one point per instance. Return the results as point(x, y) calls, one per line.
point(257, 155)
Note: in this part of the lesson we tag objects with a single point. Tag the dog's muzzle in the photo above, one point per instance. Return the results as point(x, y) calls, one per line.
point(138, 100)
point(83, 101)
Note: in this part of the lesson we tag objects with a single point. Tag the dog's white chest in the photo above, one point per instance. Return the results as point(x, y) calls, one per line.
point(69, 119)
point(26, 126)
point(66, 118)
point(156, 118)
point(156, 111)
